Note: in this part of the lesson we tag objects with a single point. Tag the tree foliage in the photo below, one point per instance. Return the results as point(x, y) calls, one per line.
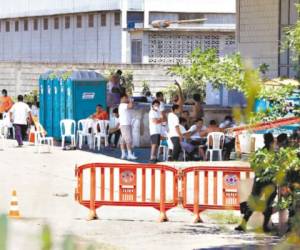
point(207, 67)
point(292, 39)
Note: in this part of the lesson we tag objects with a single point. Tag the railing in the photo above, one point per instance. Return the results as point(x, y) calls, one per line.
point(126, 185)
point(212, 188)
point(158, 186)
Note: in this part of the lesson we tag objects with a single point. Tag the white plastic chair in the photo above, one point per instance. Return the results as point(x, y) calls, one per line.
point(6, 123)
point(215, 142)
point(41, 139)
point(103, 125)
point(67, 129)
point(165, 150)
point(2, 138)
point(83, 132)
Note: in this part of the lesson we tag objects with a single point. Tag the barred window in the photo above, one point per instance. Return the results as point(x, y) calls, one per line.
point(25, 25)
point(56, 23)
point(36, 24)
point(16, 26)
point(79, 22)
point(91, 21)
point(67, 22)
point(103, 19)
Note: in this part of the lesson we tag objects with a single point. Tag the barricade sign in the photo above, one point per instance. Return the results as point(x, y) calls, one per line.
point(158, 186)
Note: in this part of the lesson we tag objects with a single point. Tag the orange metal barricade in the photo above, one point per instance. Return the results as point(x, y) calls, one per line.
point(131, 178)
point(213, 188)
point(196, 188)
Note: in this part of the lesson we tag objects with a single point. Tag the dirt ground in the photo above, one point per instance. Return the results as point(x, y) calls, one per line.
point(45, 186)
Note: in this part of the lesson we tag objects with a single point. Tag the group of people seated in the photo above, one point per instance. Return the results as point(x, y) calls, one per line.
point(186, 130)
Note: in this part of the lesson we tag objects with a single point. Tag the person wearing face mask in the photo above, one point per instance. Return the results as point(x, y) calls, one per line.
point(174, 131)
point(155, 123)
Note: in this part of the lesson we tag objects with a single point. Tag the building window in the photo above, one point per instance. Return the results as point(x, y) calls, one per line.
point(35, 24)
point(7, 26)
point(117, 18)
point(67, 22)
point(288, 16)
point(79, 22)
point(25, 25)
point(16, 26)
point(56, 23)
point(91, 21)
point(45, 23)
point(103, 19)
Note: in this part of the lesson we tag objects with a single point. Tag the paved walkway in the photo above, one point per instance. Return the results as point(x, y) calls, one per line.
point(45, 185)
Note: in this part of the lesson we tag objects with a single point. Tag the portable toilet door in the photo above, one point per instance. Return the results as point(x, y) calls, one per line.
point(56, 108)
point(49, 107)
point(69, 99)
point(89, 90)
point(62, 88)
point(42, 85)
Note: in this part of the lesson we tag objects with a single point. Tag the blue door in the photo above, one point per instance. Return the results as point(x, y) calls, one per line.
point(62, 87)
point(49, 108)
point(42, 84)
point(69, 99)
point(87, 96)
point(56, 108)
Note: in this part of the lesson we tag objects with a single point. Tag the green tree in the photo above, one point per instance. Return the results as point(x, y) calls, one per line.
point(207, 67)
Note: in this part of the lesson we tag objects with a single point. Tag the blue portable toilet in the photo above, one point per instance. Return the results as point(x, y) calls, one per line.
point(84, 90)
point(62, 89)
point(42, 96)
point(56, 115)
point(49, 107)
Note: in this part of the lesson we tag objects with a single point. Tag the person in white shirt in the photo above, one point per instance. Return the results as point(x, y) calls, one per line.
point(19, 114)
point(195, 131)
point(174, 131)
point(125, 120)
point(162, 109)
point(115, 130)
point(155, 121)
point(229, 143)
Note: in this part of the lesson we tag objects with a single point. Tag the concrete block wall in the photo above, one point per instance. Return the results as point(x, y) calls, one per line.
point(258, 32)
point(21, 78)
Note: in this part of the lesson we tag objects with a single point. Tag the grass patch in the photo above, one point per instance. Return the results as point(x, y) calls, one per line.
point(224, 217)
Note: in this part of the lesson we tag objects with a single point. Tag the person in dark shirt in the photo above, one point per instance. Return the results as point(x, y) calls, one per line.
point(258, 191)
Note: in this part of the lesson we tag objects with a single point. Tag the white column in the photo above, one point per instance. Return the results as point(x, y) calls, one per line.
point(146, 14)
point(124, 46)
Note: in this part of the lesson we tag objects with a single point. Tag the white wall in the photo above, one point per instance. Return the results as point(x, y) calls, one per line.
point(16, 8)
point(257, 33)
point(206, 6)
point(100, 44)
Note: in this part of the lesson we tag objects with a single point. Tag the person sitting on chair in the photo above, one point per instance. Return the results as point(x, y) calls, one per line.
point(100, 113)
point(116, 130)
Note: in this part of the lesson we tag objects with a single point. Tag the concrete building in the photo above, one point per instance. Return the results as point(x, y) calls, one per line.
point(260, 33)
point(112, 31)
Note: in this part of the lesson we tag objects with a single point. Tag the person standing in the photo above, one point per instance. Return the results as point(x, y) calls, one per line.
point(174, 131)
point(155, 122)
point(5, 103)
point(259, 193)
point(125, 119)
point(115, 130)
point(19, 115)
